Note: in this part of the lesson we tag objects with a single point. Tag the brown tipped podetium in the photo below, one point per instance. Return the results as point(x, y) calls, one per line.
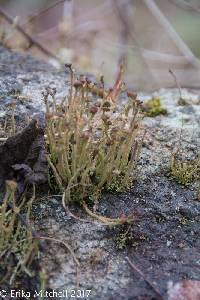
point(81, 171)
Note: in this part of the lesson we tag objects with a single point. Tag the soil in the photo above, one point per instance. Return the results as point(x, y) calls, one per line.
point(163, 242)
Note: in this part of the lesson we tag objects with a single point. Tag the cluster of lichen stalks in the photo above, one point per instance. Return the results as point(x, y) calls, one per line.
point(17, 245)
point(93, 144)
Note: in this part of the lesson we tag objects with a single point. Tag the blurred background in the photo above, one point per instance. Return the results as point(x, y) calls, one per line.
point(149, 36)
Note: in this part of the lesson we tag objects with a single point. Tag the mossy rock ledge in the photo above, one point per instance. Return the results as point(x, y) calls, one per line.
point(164, 240)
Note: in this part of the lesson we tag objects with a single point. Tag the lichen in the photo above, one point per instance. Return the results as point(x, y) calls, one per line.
point(17, 244)
point(93, 146)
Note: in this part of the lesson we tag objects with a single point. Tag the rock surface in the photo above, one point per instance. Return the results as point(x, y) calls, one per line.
point(163, 243)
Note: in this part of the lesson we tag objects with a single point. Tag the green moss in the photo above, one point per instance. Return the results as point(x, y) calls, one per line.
point(120, 184)
point(183, 101)
point(121, 241)
point(153, 108)
point(184, 172)
point(123, 238)
point(126, 238)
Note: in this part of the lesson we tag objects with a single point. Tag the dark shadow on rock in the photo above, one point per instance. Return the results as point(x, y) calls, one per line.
point(23, 159)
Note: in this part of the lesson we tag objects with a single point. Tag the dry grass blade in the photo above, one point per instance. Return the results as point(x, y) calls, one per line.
point(144, 277)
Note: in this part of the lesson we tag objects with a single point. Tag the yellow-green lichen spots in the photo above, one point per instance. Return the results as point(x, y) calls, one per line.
point(153, 108)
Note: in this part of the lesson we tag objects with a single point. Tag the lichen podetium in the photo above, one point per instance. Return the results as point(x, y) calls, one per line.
point(18, 248)
point(93, 143)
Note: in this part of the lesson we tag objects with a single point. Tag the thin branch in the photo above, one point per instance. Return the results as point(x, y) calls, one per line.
point(31, 40)
point(135, 269)
point(40, 13)
point(122, 14)
point(164, 57)
point(185, 5)
point(177, 82)
point(129, 33)
point(183, 48)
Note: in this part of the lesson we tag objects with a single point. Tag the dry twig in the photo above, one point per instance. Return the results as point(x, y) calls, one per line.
point(183, 48)
point(145, 279)
point(40, 13)
point(177, 82)
point(185, 5)
point(31, 40)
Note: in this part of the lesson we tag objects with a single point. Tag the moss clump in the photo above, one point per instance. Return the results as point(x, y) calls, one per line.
point(124, 238)
point(93, 143)
point(153, 108)
point(184, 172)
point(183, 102)
point(121, 241)
point(121, 183)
